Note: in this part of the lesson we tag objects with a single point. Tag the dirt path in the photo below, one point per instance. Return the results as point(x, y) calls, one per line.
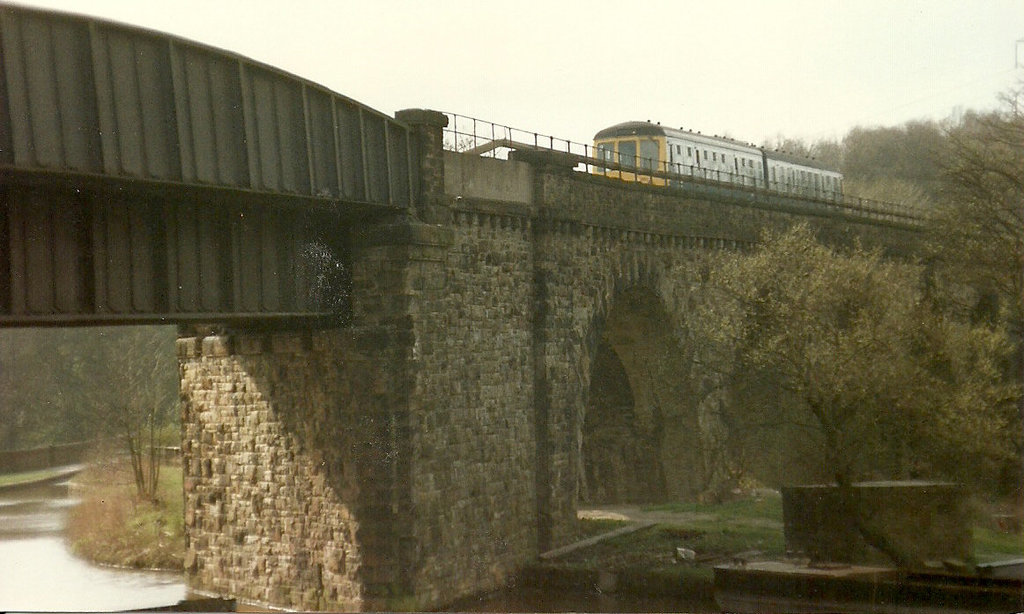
point(635, 514)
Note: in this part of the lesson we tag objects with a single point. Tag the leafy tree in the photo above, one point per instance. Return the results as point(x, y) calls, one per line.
point(888, 386)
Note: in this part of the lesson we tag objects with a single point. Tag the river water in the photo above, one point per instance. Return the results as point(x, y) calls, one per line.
point(39, 572)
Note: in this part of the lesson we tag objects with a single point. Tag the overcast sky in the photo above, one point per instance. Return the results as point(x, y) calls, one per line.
point(749, 69)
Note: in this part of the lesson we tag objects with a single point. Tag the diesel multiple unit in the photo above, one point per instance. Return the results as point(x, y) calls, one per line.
point(647, 148)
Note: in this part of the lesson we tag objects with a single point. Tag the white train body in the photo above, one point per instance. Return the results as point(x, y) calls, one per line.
point(652, 147)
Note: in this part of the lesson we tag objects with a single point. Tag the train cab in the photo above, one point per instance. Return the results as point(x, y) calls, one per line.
point(628, 146)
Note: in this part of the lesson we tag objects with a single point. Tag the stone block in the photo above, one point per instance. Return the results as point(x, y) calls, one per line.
point(217, 346)
point(187, 347)
point(248, 345)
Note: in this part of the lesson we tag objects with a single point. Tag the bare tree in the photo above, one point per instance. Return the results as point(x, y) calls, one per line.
point(136, 395)
point(979, 228)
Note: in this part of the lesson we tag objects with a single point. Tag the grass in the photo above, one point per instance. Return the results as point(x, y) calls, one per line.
point(24, 477)
point(111, 526)
point(750, 510)
point(720, 532)
point(992, 545)
point(715, 532)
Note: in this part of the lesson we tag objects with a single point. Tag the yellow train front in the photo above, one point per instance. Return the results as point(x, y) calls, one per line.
point(650, 153)
point(634, 151)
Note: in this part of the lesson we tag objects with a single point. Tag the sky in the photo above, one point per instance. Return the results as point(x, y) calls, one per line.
point(752, 70)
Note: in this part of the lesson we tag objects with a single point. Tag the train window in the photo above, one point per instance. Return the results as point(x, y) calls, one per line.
point(606, 152)
point(627, 153)
point(649, 154)
point(714, 156)
point(689, 152)
point(679, 149)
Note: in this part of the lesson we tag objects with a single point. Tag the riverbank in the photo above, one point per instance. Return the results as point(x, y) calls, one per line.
point(28, 479)
point(39, 573)
point(111, 526)
point(674, 555)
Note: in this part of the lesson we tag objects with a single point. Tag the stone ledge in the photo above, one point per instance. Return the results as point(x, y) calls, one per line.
point(216, 346)
point(422, 117)
point(404, 233)
point(546, 158)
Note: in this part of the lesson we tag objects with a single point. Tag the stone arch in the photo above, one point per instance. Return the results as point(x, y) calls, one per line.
point(640, 434)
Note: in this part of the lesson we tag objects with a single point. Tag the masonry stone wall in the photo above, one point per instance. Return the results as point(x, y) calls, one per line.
point(433, 445)
point(473, 431)
point(278, 450)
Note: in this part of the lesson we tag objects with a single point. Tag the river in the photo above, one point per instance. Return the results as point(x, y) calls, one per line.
point(39, 572)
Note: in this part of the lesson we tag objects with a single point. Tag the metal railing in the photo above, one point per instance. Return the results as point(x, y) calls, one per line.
point(473, 136)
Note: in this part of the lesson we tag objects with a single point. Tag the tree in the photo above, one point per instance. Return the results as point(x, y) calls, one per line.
point(826, 151)
point(42, 372)
point(889, 386)
point(138, 396)
point(978, 230)
point(906, 155)
point(76, 384)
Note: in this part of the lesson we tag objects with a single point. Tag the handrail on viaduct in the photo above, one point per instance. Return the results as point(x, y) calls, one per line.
point(472, 136)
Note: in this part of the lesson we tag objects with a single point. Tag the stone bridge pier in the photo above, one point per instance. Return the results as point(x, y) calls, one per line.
point(435, 443)
point(386, 464)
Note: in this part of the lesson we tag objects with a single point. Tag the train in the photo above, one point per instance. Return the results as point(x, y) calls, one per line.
point(648, 152)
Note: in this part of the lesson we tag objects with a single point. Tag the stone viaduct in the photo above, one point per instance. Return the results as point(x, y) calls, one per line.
point(413, 429)
point(433, 446)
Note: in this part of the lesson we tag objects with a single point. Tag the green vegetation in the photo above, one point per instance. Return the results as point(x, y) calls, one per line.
point(993, 545)
point(847, 350)
point(756, 510)
point(741, 529)
point(114, 526)
point(715, 532)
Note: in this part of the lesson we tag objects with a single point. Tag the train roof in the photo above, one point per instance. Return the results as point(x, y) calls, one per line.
point(631, 129)
point(639, 128)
